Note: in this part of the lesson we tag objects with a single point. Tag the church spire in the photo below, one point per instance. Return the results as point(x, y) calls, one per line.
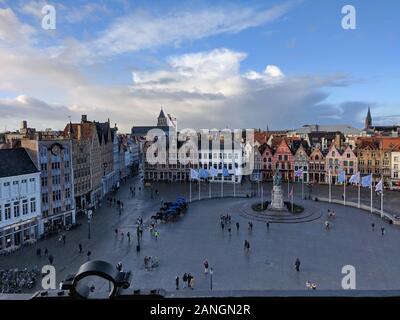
point(368, 119)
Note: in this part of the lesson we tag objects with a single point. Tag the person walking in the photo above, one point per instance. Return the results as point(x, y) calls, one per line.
point(64, 238)
point(205, 263)
point(373, 226)
point(327, 225)
point(177, 282)
point(383, 231)
point(184, 279)
point(51, 259)
point(222, 225)
point(237, 226)
point(89, 253)
point(192, 282)
point(189, 280)
point(297, 265)
point(129, 236)
point(80, 247)
point(229, 230)
point(116, 232)
point(267, 225)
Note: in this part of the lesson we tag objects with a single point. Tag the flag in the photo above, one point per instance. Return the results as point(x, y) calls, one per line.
point(298, 173)
point(213, 172)
point(225, 172)
point(379, 186)
point(366, 181)
point(355, 178)
point(203, 173)
point(342, 177)
point(194, 174)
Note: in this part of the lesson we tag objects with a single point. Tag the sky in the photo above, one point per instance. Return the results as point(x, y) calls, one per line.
point(211, 64)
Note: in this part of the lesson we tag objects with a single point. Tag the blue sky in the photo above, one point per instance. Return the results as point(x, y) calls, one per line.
point(210, 63)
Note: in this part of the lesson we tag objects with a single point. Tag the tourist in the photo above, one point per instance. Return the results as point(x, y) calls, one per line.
point(184, 279)
point(129, 236)
point(237, 226)
point(80, 248)
point(383, 231)
point(297, 265)
point(373, 226)
point(250, 226)
point(191, 282)
point(267, 225)
point(177, 282)
point(205, 266)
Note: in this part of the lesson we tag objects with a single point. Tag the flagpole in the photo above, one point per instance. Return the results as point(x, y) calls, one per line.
point(292, 196)
point(234, 183)
point(262, 198)
point(199, 187)
point(344, 192)
point(330, 186)
point(383, 185)
point(371, 192)
point(190, 188)
point(359, 190)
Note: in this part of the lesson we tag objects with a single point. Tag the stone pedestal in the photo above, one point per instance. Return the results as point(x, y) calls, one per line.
point(277, 199)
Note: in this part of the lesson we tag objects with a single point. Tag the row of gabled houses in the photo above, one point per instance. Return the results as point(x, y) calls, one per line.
point(48, 177)
point(375, 155)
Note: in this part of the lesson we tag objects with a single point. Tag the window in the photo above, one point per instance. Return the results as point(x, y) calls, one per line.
point(44, 181)
point(16, 209)
point(24, 207)
point(33, 205)
point(7, 211)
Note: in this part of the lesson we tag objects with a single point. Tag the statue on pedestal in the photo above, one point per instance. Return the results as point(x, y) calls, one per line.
point(277, 195)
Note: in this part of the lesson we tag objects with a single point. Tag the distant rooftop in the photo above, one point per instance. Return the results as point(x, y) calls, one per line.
point(343, 128)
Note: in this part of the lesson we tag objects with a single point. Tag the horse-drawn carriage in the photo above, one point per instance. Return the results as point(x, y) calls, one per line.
point(170, 211)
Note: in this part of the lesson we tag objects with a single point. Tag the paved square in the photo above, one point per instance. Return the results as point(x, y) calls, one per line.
point(184, 244)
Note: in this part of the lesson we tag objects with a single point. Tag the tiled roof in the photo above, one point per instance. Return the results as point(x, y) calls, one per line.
point(15, 162)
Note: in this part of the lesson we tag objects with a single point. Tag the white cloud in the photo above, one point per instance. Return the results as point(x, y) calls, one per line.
point(143, 30)
point(12, 31)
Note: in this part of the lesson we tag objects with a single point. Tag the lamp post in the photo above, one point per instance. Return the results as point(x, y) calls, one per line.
point(211, 278)
point(89, 217)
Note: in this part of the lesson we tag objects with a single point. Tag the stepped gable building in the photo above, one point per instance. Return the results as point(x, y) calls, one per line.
point(301, 158)
point(317, 164)
point(267, 170)
point(86, 162)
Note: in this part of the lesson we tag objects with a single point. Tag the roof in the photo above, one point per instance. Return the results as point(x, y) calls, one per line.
point(143, 130)
point(15, 162)
point(162, 115)
point(343, 128)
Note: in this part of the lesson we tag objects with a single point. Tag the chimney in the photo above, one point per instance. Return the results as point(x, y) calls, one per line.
point(84, 118)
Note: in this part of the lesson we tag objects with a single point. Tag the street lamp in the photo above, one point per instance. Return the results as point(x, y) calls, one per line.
point(89, 217)
point(211, 278)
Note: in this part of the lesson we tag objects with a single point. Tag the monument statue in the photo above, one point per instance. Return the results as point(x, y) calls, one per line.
point(277, 195)
point(277, 178)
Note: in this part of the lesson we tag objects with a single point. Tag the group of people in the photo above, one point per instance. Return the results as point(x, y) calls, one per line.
point(187, 279)
point(331, 216)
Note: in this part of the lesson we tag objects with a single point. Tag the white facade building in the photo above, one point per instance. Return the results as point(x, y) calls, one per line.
point(20, 198)
point(395, 171)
